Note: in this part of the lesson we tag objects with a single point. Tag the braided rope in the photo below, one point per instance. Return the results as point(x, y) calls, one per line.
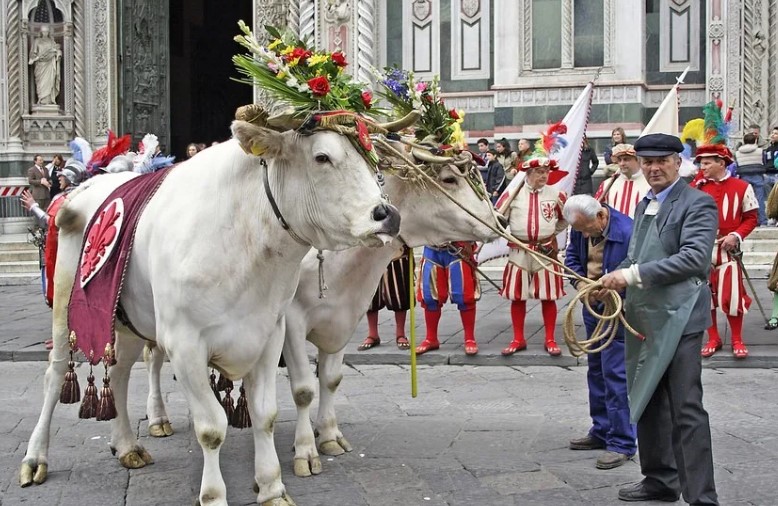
point(607, 321)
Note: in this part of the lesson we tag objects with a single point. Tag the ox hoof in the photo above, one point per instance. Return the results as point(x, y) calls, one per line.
point(163, 429)
point(303, 469)
point(136, 459)
point(29, 475)
point(335, 448)
point(284, 500)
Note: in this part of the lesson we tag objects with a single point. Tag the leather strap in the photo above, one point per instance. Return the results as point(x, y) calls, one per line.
point(275, 208)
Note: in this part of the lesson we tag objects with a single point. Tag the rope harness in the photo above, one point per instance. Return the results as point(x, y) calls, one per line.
point(613, 305)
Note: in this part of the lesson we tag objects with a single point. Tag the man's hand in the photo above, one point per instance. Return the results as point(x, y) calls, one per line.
point(27, 200)
point(514, 171)
point(46, 183)
point(730, 243)
point(614, 280)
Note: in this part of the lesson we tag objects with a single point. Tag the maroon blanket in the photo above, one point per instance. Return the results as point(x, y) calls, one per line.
point(104, 254)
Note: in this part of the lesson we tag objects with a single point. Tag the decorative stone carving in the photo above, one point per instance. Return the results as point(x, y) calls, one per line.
point(267, 12)
point(365, 46)
point(471, 7)
point(422, 9)
point(307, 19)
point(733, 63)
point(337, 11)
point(100, 81)
point(716, 30)
point(45, 58)
point(13, 43)
point(754, 63)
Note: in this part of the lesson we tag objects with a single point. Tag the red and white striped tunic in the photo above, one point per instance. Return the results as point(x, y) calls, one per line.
point(625, 193)
point(535, 218)
point(738, 209)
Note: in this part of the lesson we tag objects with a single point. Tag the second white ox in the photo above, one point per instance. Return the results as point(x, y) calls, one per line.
point(428, 217)
point(209, 278)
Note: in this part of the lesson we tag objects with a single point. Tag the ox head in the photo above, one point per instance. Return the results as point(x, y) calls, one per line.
point(428, 216)
point(323, 187)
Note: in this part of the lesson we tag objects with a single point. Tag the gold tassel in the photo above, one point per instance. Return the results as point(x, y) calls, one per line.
point(214, 387)
point(71, 391)
point(228, 404)
point(90, 402)
point(241, 418)
point(106, 408)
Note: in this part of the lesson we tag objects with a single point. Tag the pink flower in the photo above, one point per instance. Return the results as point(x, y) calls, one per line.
point(421, 87)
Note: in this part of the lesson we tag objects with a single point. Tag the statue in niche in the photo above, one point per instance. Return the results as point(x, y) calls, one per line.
point(46, 55)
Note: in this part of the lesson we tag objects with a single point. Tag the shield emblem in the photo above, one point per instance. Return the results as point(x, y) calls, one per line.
point(470, 7)
point(422, 9)
point(101, 239)
point(548, 210)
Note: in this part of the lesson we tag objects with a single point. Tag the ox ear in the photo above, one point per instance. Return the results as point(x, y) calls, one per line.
point(256, 140)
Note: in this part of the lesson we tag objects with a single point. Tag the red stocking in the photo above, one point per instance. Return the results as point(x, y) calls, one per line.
point(431, 318)
point(399, 323)
point(736, 324)
point(548, 308)
point(468, 324)
point(372, 323)
point(518, 313)
point(713, 331)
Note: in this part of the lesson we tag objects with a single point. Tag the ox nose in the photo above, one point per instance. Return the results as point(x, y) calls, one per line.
point(389, 217)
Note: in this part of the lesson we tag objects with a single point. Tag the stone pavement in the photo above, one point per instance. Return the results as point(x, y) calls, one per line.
point(25, 324)
point(474, 435)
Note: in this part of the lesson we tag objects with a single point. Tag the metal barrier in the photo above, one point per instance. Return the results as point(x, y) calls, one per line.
point(11, 207)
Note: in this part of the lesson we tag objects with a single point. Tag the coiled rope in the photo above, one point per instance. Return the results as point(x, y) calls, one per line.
point(608, 319)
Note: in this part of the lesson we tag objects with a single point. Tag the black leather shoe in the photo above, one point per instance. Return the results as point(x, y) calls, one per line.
point(587, 443)
point(638, 492)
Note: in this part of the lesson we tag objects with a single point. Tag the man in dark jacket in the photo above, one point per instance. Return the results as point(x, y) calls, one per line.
point(769, 159)
point(586, 169)
point(598, 244)
point(495, 176)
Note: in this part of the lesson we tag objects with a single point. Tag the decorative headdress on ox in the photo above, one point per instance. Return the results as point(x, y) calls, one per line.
point(713, 140)
point(311, 84)
point(550, 143)
point(438, 133)
point(146, 159)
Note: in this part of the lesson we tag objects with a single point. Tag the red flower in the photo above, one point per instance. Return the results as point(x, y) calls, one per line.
point(298, 54)
point(339, 59)
point(453, 114)
point(367, 98)
point(319, 86)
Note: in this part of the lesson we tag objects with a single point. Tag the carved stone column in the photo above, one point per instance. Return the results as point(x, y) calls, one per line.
point(755, 64)
point(772, 62)
point(271, 12)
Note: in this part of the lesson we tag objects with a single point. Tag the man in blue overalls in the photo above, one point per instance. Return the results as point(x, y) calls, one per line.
point(598, 244)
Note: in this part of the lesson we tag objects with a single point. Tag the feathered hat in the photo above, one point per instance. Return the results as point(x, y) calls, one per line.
point(102, 157)
point(716, 127)
point(550, 143)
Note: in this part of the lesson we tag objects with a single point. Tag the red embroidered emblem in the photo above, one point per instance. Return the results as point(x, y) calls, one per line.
point(363, 134)
point(548, 210)
point(101, 239)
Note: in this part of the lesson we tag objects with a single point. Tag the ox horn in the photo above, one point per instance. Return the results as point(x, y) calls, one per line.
point(427, 157)
point(252, 113)
point(285, 120)
point(401, 123)
point(463, 159)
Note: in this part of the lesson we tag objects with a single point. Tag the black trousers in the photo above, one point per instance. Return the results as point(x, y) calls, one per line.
point(674, 432)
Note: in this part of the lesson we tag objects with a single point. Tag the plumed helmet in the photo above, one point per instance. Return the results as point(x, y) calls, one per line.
point(74, 171)
point(121, 163)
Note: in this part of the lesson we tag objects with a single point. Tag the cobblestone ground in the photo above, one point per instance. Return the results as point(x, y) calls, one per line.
point(474, 435)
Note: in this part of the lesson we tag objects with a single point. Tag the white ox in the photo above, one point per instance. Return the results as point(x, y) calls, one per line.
point(209, 278)
point(428, 217)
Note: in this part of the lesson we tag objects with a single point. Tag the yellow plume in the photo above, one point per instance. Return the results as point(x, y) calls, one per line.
point(694, 129)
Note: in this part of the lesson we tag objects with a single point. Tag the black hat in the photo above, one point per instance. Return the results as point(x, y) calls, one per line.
point(658, 145)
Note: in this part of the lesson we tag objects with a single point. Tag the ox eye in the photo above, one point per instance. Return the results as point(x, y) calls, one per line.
point(322, 158)
point(450, 180)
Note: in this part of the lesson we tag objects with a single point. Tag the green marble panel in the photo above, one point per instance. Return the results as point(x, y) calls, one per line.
point(17, 168)
point(479, 121)
point(394, 32)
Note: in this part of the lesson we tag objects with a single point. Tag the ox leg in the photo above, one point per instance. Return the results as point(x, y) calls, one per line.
point(261, 392)
point(190, 364)
point(159, 423)
point(331, 440)
point(302, 382)
point(34, 467)
point(123, 440)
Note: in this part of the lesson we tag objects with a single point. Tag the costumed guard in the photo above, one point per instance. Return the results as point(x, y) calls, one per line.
point(599, 243)
point(626, 188)
point(535, 217)
point(446, 272)
point(393, 293)
point(738, 215)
